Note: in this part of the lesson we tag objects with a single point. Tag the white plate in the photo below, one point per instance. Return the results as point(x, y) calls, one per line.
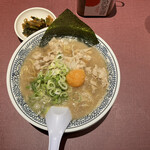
point(34, 11)
point(17, 100)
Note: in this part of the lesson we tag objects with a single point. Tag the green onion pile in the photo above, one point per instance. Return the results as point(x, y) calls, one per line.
point(51, 86)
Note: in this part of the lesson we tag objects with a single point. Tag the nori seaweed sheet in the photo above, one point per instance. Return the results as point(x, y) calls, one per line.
point(68, 24)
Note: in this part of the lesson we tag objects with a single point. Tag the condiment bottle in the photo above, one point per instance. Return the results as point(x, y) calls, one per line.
point(95, 7)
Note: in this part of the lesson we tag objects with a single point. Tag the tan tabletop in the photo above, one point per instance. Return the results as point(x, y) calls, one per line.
point(127, 125)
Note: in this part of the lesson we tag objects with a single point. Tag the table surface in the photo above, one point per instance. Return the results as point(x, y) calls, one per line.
point(127, 125)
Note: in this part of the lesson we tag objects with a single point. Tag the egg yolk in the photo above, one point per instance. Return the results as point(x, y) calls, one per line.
point(75, 78)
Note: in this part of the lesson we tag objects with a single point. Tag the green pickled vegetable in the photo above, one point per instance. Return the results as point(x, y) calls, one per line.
point(31, 26)
point(68, 24)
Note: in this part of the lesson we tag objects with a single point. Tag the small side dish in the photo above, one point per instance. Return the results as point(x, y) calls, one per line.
point(36, 12)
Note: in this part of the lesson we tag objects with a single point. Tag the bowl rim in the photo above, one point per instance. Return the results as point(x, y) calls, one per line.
point(27, 10)
point(95, 120)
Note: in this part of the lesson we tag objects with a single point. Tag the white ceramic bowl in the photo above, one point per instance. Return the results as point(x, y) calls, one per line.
point(17, 100)
point(34, 11)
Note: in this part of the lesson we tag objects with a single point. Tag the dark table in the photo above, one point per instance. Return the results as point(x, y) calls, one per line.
point(127, 125)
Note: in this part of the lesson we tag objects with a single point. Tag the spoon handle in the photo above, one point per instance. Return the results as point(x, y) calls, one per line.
point(54, 142)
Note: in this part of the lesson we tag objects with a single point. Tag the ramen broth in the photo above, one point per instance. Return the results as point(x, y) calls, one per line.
point(81, 100)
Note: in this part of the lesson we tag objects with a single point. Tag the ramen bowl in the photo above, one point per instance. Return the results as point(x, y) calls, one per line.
point(23, 109)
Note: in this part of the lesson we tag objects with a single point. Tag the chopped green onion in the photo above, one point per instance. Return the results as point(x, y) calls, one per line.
point(63, 85)
point(51, 86)
point(51, 92)
point(64, 94)
point(57, 91)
